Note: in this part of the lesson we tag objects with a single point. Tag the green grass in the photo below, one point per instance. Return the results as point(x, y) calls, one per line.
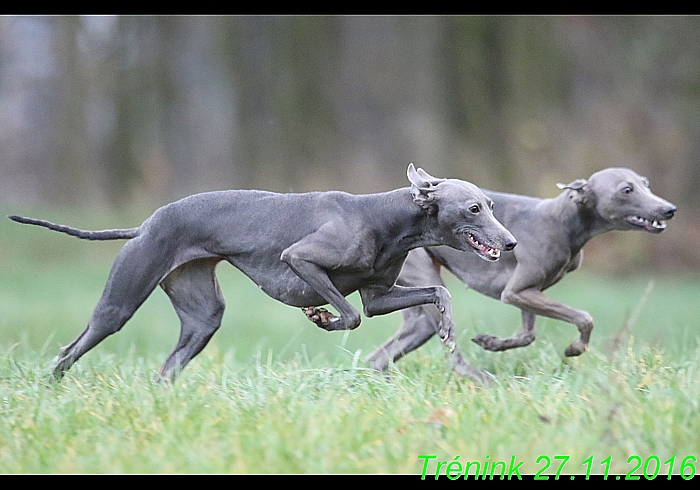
point(272, 393)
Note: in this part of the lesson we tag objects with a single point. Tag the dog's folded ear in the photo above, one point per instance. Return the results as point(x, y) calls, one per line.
point(421, 178)
point(581, 188)
point(576, 185)
point(423, 186)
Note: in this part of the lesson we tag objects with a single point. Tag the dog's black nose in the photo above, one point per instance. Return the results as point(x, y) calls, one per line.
point(668, 211)
point(510, 245)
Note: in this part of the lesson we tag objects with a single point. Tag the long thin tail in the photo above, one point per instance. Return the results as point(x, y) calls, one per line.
point(118, 234)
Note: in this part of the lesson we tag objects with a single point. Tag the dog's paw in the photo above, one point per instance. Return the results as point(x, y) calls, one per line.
point(447, 338)
point(488, 342)
point(320, 316)
point(576, 348)
point(450, 344)
point(463, 369)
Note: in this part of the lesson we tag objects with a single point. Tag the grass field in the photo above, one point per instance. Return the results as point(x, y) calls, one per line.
point(272, 393)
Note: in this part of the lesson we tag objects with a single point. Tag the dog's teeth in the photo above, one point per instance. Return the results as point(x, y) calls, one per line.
point(658, 224)
point(485, 250)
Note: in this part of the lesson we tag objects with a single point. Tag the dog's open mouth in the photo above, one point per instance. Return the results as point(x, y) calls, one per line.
point(484, 251)
point(652, 226)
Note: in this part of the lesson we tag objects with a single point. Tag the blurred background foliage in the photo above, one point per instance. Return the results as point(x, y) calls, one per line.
point(111, 112)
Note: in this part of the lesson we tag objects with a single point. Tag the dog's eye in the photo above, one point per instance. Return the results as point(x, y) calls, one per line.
point(627, 190)
point(474, 209)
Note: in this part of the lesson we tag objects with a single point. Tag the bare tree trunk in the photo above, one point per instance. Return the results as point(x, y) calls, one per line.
point(73, 181)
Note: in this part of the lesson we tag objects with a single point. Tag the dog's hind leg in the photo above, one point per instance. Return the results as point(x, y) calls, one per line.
point(418, 325)
point(136, 272)
point(194, 292)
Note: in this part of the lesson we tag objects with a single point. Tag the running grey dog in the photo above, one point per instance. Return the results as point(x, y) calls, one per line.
point(305, 250)
point(550, 234)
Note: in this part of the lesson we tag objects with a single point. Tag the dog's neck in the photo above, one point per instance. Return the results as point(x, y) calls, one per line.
point(403, 225)
point(582, 220)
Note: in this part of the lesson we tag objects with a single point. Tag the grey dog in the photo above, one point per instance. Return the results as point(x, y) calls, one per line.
point(550, 234)
point(305, 250)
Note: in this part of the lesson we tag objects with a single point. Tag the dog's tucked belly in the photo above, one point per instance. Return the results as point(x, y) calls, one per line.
point(280, 282)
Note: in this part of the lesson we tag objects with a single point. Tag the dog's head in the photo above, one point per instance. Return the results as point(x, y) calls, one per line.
point(464, 214)
point(622, 198)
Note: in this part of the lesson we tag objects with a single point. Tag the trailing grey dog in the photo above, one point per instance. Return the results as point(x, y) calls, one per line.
point(305, 250)
point(550, 234)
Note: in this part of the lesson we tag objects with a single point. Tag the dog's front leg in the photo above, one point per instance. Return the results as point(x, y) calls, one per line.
point(317, 277)
point(524, 290)
point(379, 301)
point(535, 302)
point(521, 339)
point(348, 319)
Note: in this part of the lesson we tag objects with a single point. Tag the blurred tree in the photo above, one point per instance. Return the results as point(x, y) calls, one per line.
point(71, 142)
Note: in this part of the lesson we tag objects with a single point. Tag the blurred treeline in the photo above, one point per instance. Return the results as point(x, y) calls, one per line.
point(113, 111)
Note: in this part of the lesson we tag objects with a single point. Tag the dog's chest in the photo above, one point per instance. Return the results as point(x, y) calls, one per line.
point(558, 271)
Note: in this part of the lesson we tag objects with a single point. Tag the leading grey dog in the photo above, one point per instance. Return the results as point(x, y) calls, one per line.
point(550, 234)
point(305, 250)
